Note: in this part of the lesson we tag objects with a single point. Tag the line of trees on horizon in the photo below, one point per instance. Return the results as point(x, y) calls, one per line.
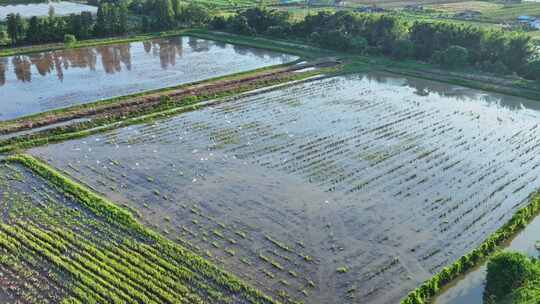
point(112, 19)
point(445, 43)
point(449, 44)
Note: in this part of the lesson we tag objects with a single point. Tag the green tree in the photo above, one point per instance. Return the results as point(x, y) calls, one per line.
point(177, 8)
point(239, 24)
point(165, 17)
point(194, 15)
point(3, 37)
point(533, 70)
point(518, 51)
point(359, 44)
point(123, 17)
point(453, 57)
point(101, 26)
point(35, 27)
point(403, 49)
point(15, 27)
point(510, 277)
point(87, 24)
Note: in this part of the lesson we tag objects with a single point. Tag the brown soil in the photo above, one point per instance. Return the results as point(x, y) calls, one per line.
point(127, 106)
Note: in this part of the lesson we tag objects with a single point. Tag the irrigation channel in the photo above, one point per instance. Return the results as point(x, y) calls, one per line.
point(50, 80)
point(470, 288)
point(350, 189)
point(61, 8)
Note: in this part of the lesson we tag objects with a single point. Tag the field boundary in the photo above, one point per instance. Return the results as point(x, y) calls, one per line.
point(148, 117)
point(254, 42)
point(114, 100)
point(122, 218)
point(470, 78)
point(430, 288)
point(469, 82)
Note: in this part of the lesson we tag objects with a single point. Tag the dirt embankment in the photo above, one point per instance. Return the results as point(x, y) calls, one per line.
point(129, 106)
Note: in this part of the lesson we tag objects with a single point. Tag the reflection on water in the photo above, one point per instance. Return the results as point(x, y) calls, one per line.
point(427, 88)
point(42, 9)
point(48, 80)
point(114, 58)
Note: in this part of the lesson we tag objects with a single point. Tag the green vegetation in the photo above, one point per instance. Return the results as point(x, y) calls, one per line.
point(97, 270)
point(518, 221)
point(350, 35)
point(111, 20)
point(70, 39)
point(393, 36)
point(512, 278)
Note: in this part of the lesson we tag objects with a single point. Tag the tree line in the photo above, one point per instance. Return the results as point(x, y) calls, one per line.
point(170, 14)
point(449, 44)
point(112, 19)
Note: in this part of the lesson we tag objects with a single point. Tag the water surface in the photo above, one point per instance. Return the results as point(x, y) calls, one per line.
point(470, 288)
point(393, 178)
point(44, 81)
point(61, 8)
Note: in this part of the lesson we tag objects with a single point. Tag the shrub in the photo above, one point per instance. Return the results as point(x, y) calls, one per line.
point(359, 44)
point(69, 39)
point(239, 24)
point(218, 23)
point(403, 49)
point(278, 31)
point(532, 71)
point(3, 37)
point(453, 57)
point(508, 273)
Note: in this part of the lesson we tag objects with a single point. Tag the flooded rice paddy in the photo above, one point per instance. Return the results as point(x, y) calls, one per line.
point(61, 8)
point(39, 82)
point(349, 189)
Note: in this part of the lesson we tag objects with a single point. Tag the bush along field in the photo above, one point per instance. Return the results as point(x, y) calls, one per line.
point(60, 243)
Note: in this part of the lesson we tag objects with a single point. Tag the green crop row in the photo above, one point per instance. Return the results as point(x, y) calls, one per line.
point(122, 219)
point(95, 291)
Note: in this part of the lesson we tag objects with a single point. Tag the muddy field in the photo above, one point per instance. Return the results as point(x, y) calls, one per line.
point(342, 190)
point(52, 250)
point(44, 81)
point(61, 8)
